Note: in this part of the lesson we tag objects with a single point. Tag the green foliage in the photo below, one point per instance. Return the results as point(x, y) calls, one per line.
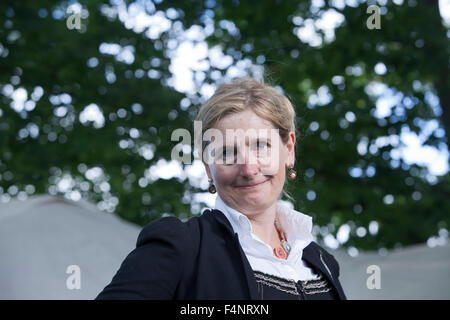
point(412, 43)
point(49, 55)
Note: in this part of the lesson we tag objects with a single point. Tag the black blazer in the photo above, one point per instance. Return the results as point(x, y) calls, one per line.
point(197, 259)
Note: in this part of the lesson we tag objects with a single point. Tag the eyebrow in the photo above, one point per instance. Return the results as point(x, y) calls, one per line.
point(263, 139)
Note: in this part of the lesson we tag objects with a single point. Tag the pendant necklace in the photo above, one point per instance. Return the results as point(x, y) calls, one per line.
point(283, 251)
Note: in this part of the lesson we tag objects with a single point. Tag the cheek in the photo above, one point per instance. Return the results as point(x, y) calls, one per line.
point(270, 167)
point(274, 165)
point(280, 174)
point(225, 176)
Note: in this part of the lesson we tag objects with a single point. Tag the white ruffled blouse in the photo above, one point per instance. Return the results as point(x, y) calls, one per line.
point(297, 227)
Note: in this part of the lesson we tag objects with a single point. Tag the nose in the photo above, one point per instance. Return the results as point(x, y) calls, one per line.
point(249, 170)
point(250, 166)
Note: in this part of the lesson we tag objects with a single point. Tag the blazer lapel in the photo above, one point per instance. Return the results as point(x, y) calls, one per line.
point(251, 281)
point(225, 224)
point(312, 254)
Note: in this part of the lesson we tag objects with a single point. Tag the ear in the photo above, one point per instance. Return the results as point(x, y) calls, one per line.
point(290, 145)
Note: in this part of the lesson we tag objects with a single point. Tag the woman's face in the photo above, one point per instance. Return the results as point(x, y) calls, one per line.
point(249, 169)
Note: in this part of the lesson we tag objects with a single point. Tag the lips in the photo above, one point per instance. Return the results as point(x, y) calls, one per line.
point(249, 186)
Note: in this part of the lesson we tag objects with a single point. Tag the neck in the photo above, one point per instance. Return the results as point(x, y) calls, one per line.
point(263, 226)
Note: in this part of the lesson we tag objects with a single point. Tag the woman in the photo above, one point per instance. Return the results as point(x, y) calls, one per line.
point(251, 245)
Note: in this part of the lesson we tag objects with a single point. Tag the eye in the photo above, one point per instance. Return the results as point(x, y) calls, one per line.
point(261, 145)
point(229, 155)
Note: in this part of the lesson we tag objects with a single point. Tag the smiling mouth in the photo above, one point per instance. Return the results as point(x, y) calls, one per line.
point(252, 186)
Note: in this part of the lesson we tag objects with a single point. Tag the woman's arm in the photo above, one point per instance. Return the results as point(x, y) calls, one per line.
point(154, 268)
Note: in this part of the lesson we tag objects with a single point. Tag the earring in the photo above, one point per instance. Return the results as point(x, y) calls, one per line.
point(292, 174)
point(212, 187)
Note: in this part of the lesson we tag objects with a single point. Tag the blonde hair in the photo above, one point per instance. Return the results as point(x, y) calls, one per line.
point(243, 94)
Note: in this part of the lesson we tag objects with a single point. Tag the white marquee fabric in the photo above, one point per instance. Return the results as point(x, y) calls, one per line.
point(44, 235)
point(414, 272)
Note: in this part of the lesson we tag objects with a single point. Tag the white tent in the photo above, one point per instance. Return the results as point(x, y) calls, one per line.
point(44, 235)
point(414, 272)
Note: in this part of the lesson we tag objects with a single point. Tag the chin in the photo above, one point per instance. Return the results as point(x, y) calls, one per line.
point(253, 202)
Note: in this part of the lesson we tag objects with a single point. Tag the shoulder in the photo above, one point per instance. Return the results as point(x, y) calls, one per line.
point(169, 229)
point(163, 249)
point(187, 235)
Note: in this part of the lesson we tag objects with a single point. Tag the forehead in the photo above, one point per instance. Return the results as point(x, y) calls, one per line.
point(246, 126)
point(243, 120)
